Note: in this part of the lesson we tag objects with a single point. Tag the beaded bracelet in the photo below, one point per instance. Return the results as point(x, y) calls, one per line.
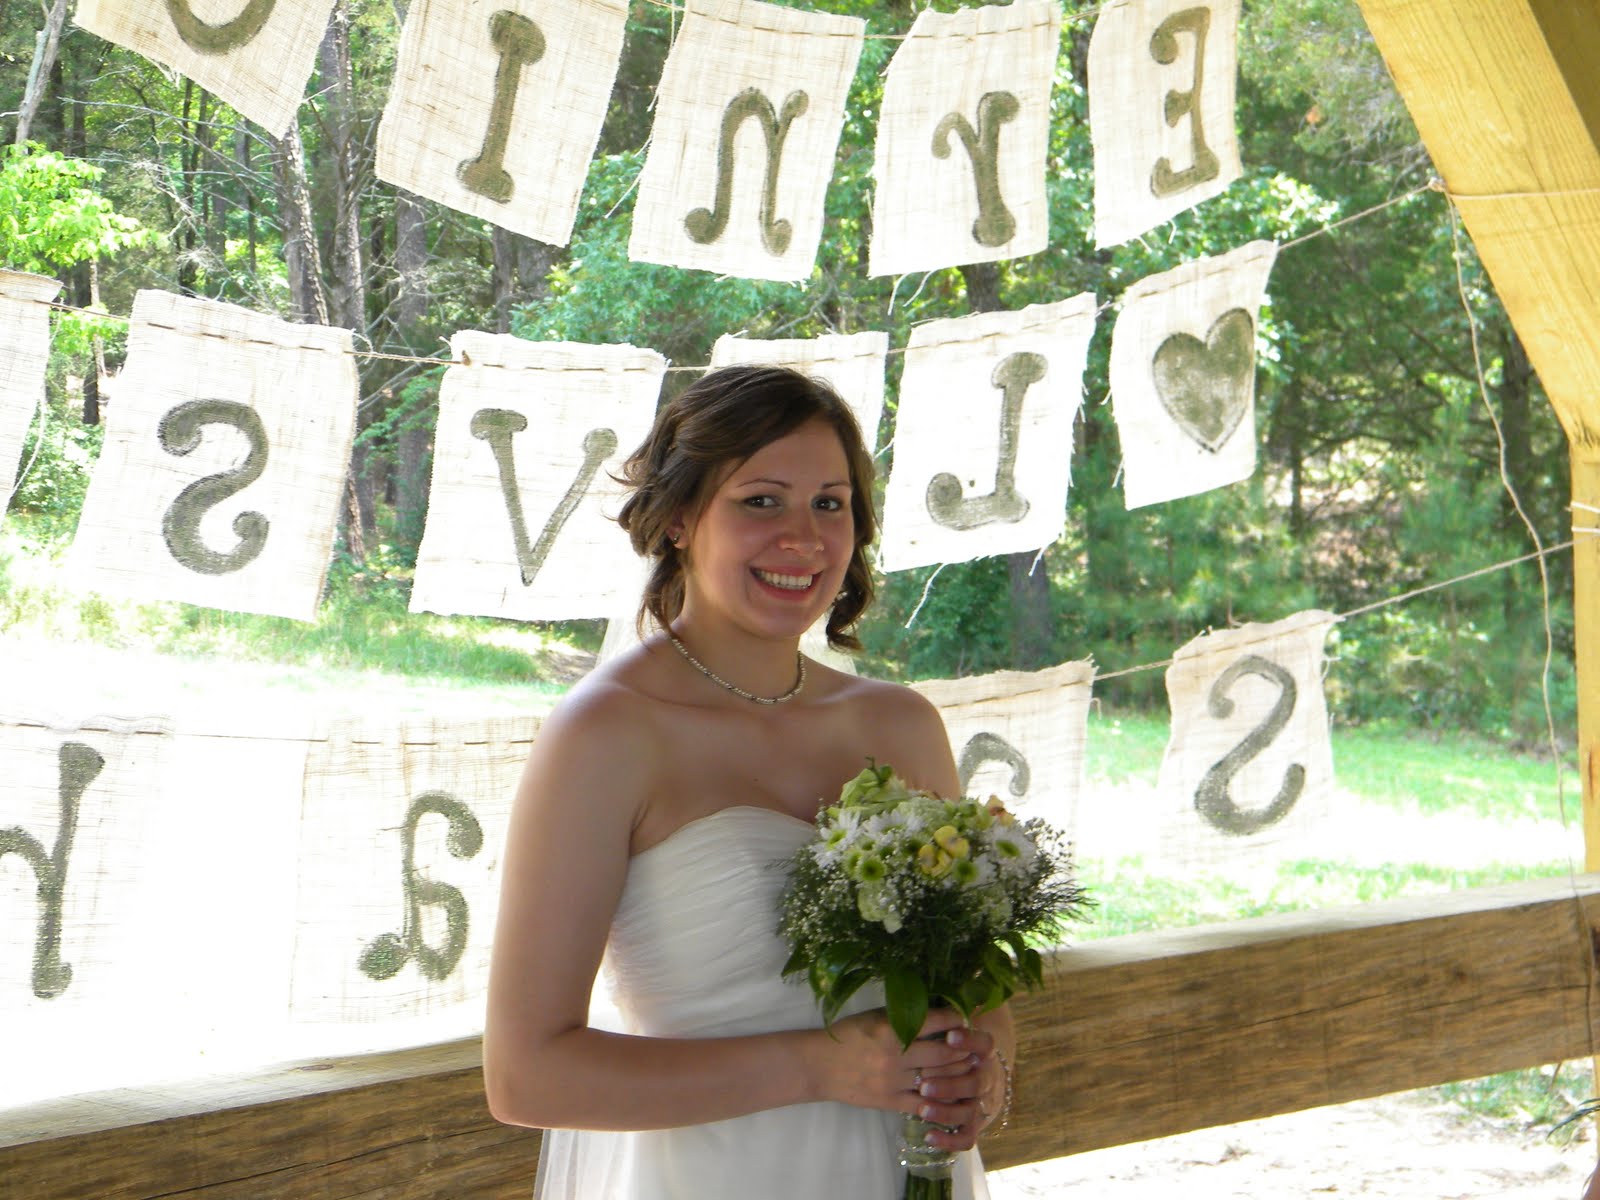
point(1005, 1106)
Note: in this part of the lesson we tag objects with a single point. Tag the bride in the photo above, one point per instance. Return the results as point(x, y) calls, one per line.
point(656, 804)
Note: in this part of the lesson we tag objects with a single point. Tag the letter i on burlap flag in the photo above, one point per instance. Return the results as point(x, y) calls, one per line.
point(496, 107)
point(1161, 111)
point(224, 462)
point(1183, 375)
point(983, 435)
point(963, 138)
point(24, 352)
point(748, 115)
point(257, 56)
point(521, 515)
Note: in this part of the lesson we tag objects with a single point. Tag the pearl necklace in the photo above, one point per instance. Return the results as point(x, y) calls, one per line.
point(799, 660)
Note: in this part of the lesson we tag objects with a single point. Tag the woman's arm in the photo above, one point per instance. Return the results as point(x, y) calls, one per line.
point(565, 865)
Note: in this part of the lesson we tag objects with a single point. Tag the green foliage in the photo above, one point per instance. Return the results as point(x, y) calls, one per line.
point(52, 215)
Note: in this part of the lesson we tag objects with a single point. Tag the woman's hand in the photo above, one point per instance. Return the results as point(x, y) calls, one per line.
point(946, 1076)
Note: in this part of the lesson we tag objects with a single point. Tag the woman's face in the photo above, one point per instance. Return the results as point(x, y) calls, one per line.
point(769, 549)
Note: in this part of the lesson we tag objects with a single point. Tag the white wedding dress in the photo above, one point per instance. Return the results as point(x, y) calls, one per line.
point(694, 953)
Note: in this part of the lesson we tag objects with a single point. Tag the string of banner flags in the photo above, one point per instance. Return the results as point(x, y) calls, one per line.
point(348, 875)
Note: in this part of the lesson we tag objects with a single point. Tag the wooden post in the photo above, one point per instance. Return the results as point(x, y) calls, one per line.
point(1586, 618)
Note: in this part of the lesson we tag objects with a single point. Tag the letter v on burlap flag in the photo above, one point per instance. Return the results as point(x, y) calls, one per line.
point(24, 353)
point(963, 137)
point(1183, 375)
point(747, 121)
point(224, 461)
point(1161, 110)
point(521, 514)
point(496, 107)
point(1249, 765)
point(257, 55)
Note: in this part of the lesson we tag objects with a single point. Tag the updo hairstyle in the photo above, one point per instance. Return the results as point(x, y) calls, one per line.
point(718, 422)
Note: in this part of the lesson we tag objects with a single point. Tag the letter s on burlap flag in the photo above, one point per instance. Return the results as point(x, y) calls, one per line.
point(224, 461)
point(24, 353)
point(1249, 764)
point(748, 115)
point(983, 435)
point(497, 106)
point(1183, 375)
point(257, 55)
point(1161, 110)
point(521, 512)
point(963, 138)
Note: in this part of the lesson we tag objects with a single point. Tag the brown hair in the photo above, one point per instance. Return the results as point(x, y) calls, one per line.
point(721, 420)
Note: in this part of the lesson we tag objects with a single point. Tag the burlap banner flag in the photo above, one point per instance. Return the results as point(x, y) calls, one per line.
point(1020, 735)
point(963, 137)
point(78, 933)
point(748, 115)
point(983, 436)
point(256, 56)
point(24, 352)
point(401, 835)
point(1183, 375)
point(1162, 79)
point(521, 512)
point(1249, 767)
point(851, 363)
point(224, 460)
point(496, 107)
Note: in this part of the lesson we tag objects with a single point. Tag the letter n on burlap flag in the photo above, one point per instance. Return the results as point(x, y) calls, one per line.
point(256, 55)
point(496, 107)
point(748, 115)
point(963, 139)
point(521, 515)
point(1161, 110)
point(224, 461)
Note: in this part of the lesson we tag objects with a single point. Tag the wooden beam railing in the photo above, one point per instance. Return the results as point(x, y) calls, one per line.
point(1136, 1037)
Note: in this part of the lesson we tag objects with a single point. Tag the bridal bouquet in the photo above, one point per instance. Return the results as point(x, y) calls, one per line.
point(935, 897)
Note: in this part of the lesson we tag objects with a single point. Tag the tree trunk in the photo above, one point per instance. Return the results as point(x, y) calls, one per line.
point(1032, 617)
point(521, 273)
point(341, 137)
point(414, 440)
point(46, 47)
point(300, 253)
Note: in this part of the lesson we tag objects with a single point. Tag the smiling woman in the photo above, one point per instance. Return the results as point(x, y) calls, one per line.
point(655, 804)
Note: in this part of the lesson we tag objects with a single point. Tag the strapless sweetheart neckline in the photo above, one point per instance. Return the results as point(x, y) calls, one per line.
point(688, 826)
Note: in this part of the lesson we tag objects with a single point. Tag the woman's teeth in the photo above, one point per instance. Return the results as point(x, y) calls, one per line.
point(792, 582)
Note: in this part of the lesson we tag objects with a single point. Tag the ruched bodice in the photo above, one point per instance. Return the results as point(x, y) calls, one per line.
point(694, 952)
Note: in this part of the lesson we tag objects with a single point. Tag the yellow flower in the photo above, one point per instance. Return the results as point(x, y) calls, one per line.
point(951, 841)
point(933, 861)
point(998, 811)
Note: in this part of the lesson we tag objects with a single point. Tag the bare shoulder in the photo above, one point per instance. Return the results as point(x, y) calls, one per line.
point(905, 730)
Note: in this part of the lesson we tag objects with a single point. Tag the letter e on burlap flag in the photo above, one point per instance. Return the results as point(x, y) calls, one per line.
point(496, 107)
point(963, 138)
point(521, 515)
point(748, 115)
point(1161, 110)
point(256, 56)
point(224, 461)
point(401, 831)
point(1249, 764)
point(1020, 736)
point(1183, 375)
point(983, 435)
point(24, 352)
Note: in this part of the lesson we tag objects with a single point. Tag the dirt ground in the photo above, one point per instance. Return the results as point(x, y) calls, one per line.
point(1393, 1148)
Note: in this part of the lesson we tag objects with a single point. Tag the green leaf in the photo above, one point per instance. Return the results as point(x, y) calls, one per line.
point(906, 999)
point(844, 987)
point(797, 962)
